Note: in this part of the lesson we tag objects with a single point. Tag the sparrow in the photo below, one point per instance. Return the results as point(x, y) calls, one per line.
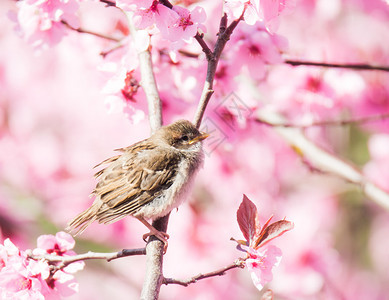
point(147, 180)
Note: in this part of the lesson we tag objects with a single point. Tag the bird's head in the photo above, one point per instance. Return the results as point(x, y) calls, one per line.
point(182, 135)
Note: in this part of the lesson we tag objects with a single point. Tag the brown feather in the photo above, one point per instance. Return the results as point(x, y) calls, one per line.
point(140, 174)
point(128, 183)
point(83, 220)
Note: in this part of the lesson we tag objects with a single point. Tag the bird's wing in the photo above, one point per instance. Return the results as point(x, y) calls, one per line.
point(134, 179)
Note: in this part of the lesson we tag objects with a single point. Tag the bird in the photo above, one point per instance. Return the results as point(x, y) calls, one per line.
point(147, 180)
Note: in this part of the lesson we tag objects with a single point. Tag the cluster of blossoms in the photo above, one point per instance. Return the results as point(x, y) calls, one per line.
point(167, 30)
point(22, 277)
point(40, 22)
point(174, 23)
point(267, 11)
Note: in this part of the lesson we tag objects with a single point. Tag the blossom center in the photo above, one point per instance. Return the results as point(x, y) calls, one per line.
point(24, 283)
point(131, 86)
point(185, 22)
point(254, 50)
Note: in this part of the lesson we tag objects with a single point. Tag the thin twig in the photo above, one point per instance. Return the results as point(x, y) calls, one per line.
point(189, 54)
point(81, 30)
point(331, 65)
point(108, 2)
point(114, 48)
point(220, 272)
point(223, 37)
point(323, 160)
point(357, 121)
point(166, 3)
point(200, 39)
point(67, 260)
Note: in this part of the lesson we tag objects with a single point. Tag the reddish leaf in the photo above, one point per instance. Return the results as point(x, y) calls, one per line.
point(246, 215)
point(272, 231)
point(265, 226)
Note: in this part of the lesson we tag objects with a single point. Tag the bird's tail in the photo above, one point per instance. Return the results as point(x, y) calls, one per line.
point(83, 220)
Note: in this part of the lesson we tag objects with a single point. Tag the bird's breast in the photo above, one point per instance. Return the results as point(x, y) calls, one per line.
point(173, 196)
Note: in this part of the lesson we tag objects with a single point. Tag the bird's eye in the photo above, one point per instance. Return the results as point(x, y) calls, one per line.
point(185, 138)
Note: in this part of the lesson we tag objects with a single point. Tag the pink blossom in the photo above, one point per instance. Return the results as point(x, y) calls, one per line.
point(14, 285)
point(270, 10)
point(267, 11)
point(25, 278)
point(121, 89)
point(63, 284)
point(176, 24)
point(59, 244)
point(249, 9)
point(124, 95)
point(187, 23)
point(21, 278)
point(253, 47)
point(156, 14)
point(39, 22)
point(261, 262)
point(7, 250)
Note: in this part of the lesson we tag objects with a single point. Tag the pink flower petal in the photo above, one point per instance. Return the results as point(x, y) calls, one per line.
point(261, 263)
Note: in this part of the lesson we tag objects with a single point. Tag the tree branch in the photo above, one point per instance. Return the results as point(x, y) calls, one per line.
point(119, 45)
point(67, 260)
point(200, 39)
point(324, 160)
point(343, 66)
point(148, 82)
point(81, 30)
point(108, 2)
point(166, 3)
point(150, 88)
point(220, 272)
point(357, 121)
point(213, 60)
point(154, 262)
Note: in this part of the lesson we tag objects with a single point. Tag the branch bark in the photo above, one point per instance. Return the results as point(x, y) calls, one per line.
point(220, 272)
point(324, 160)
point(63, 261)
point(148, 82)
point(154, 262)
point(358, 121)
point(213, 60)
point(108, 2)
point(199, 37)
point(81, 30)
point(150, 88)
point(331, 65)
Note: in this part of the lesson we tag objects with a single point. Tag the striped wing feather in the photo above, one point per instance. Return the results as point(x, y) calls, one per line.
point(130, 181)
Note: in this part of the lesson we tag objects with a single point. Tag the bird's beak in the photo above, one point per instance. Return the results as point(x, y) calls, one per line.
point(202, 136)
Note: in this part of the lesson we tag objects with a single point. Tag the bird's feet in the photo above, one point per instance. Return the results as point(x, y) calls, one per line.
point(162, 236)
